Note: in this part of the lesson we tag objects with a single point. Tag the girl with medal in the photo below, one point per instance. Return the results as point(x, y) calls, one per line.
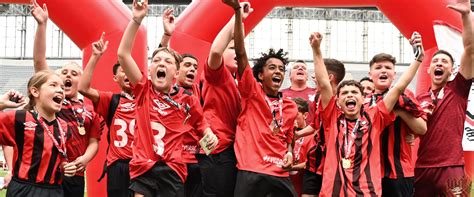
point(85, 134)
point(38, 138)
point(352, 165)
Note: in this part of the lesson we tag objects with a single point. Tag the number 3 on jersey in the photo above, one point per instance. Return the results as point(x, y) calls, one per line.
point(121, 132)
point(159, 146)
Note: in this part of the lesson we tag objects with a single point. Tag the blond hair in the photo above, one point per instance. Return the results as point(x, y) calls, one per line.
point(72, 63)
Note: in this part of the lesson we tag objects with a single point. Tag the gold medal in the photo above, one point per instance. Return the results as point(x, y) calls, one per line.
point(82, 130)
point(346, 163)
point(276, 130)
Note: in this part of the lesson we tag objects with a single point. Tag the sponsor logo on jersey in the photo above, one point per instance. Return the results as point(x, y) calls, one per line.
point(160, 107)
point(127, 107)
point(30, 126)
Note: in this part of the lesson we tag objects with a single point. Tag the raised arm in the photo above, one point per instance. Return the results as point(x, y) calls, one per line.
point(223, 38)
point(39, 48)
point(392, 96)
point(168, 26)
point(98, 48)
point(464, 8)
point(239, 43)
point(320, 69)
point(124, 52)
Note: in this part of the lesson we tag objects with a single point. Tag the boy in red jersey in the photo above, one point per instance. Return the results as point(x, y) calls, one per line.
point(221, 105)
point(119, 112)
point(397, 165)
point(301, 146)
point(86, 130)
point(368, 86)
point(186, 79)
point(352, 163)
point(164, 113)
point(440, 155)
point(313, 177)
point(38, 138)
point(264, 136)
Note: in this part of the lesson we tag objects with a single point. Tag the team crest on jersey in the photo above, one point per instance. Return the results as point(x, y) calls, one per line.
point(160, 107)
point(30, 126)
point(126, 107)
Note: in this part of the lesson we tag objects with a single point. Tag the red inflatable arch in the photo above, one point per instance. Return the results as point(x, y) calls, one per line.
point(83, 21)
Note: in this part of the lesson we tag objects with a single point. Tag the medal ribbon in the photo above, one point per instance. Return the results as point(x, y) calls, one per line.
point(186, 108)
point(80, 119)
point(62, 136)
point(352, 135)
point(278, 123)
point(435, 98)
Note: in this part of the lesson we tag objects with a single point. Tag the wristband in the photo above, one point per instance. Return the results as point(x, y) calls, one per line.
point(419, 60)
point(135, 20)
point(167, 34)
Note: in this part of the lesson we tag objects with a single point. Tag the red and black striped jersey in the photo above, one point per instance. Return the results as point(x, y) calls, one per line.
point(352, 165)
point(395, 151)
point(36, 159)
point(76, 113)
point(317, 151)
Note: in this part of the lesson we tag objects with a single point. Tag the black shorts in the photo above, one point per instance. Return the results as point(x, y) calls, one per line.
point(312, 183)
point(160, 180)
point(23, 188)
point(73, 186)
point(398, 187)
point(218, 172)
point(118, 179)
point(193, 184)
point(257, 184)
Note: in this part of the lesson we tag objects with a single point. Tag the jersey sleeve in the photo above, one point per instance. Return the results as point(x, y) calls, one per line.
point(140, 89)
point(102, 107)
point(460, 85)
point(97, 124)
point(381, 116)
point(292, 113)
point(218, 76)
point(7, 128)
point(247, 83)
point(329, 111)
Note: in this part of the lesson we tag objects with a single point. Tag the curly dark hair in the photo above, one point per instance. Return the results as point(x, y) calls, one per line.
point(260, 62)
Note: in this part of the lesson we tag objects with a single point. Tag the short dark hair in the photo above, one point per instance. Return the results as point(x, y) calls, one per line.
point(336, 68)
point(382, 57)
point(185, 55)
point(260, 62)
point(366, 79)
point(350, 83)
point(297, 61)
point(115, 67)
point(302, 104)
point(446, 53)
